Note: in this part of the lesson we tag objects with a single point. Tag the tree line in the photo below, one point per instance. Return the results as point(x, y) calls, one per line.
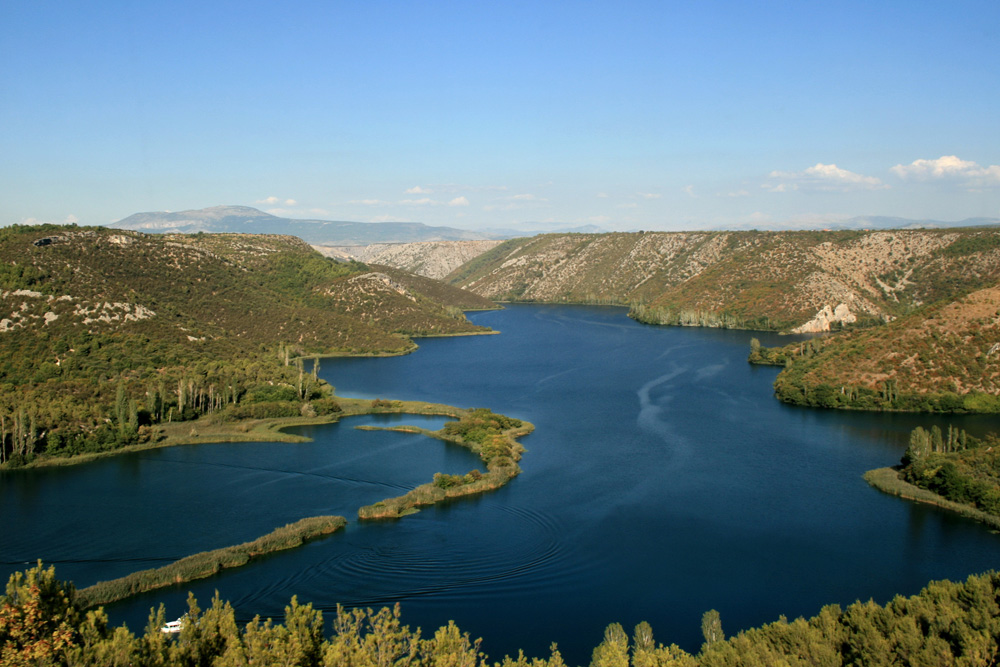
point(43, 624)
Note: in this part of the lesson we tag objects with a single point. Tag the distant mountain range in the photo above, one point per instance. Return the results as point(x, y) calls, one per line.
point(248, 220)
point(861, 222)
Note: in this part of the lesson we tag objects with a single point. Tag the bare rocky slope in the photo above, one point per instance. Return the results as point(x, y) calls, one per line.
point(941, 358)
point(433, 259)
point(791, 281)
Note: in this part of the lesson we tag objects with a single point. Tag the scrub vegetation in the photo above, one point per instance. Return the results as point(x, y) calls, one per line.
point(942, 358)
point(110, 337)
point(748, 279)
point(42, 622)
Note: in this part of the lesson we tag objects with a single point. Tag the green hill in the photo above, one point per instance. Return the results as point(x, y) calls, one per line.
point(106, 333)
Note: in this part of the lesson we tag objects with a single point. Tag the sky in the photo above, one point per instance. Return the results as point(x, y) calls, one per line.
point(621, 114)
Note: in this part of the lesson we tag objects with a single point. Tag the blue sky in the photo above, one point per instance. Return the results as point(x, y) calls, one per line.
point(628, 115)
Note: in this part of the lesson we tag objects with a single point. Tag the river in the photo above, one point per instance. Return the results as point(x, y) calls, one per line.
point(663, 480)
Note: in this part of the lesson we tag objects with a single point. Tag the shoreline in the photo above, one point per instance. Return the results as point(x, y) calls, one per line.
point(208, 430)
point(208, 563)
point(501, 469)
point(887, 481)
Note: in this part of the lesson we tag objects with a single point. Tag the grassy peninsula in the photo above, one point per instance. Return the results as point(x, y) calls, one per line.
point(493, 437)
point(949, 469)
point(207, 563)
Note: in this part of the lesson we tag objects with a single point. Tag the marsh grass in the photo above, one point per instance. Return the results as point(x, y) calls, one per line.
point(207, 563)
point(492, 437)
point(887, 480)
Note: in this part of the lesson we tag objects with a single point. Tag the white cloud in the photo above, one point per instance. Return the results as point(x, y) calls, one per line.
point(71, 219)
point(272, 200)
point(949, 167)
point(603, 195)
point(650, 195)
point(689, 189)
point(528, 197)
point(628, 205)
point(417, 190)
point(459, 201)
point(388, 218)
point(368, 202)
point(823, 177)
point(736, 193)
point(423, 201)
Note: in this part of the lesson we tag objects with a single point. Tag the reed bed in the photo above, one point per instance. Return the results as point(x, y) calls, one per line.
point(887, 480)
point(493, 437)
point(207, 563)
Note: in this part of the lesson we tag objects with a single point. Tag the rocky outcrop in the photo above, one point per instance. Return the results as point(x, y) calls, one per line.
point(432, 259)
point(826, 317)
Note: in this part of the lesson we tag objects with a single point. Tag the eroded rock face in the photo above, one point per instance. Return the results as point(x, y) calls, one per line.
point(432, 259)
point(826, 317)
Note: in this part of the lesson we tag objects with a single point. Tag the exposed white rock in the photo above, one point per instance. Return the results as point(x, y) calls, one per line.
point(113, 312)
point(825, 317)
point(433, 259)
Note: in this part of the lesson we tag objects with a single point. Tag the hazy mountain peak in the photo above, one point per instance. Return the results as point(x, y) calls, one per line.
point(246, 219)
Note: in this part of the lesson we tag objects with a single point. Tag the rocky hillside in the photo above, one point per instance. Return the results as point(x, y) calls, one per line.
point(942, 358)
point(263, 289)
point(798, 281)
point(433, 259)
point(93, 321)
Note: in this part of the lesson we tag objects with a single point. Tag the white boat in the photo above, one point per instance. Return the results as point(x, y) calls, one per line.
point(173, 627)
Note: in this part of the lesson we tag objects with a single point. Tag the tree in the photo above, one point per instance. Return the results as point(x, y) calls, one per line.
point(613, 651)
point(39, 617)
point(711, 627)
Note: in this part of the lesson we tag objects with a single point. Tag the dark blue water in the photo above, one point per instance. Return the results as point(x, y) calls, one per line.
point(663, 480)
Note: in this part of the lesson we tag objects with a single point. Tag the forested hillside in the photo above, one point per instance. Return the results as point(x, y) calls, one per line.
point(806, 281)
point(106, 333)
